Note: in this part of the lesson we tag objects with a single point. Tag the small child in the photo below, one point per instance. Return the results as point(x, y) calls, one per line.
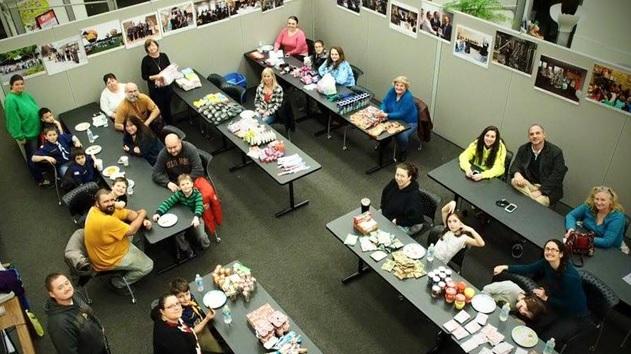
point(119, 190)
point(56, 150)
point(80, 171)
point(47, 119)
point(193, 316)
point(191, 197)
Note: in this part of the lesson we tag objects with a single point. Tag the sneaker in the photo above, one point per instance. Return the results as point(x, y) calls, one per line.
point(120, 291)
point(218, 239)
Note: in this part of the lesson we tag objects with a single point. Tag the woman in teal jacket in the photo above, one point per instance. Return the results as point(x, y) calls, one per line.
point(338, 67)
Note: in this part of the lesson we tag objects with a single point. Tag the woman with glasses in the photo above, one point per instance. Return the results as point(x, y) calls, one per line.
point(602, 214)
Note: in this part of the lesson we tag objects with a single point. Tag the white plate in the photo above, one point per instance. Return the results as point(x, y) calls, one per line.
point(93, 150)
point(247, 114)
point(214, 299)
point(414, 250)
point(483, 303)
point(82, 127)
point(110, 170)
point(267, 48)
point(167, 220)
point(117, 174)
point(524, 336)
point(131, 183)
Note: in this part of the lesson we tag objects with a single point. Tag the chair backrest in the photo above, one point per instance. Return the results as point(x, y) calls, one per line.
point(80, 200)
point(357, 72)
point(527, 284)
point(237, 93)
point(206, 158)
point(172, 129)
point(311, 46)
point(600, 297)
point(430, 203)
point(507, 161)
point(217, 80)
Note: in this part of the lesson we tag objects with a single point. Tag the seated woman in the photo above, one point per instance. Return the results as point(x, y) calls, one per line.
point(139, 140)
point(269, 96)
point(170, 333)
point(398, 104)
point(456, 235)
point(112, 95)
point(602, 214)
point(485, 156)
point(338, 67)
point(291, 39)
point(320, 55)
point(562, 291)
point(401, 200)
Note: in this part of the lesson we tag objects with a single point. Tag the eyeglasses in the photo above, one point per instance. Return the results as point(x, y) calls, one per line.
point(173, 307)
point(553, 250)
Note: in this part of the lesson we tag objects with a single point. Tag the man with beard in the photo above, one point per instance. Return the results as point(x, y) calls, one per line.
point(108, 233)
point(138, 105)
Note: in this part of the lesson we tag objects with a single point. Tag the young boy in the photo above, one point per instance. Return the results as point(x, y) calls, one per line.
point(56, 149)
point(191, 197)
point(119, 189)
point(193, 317)
point(80, 171)
point(47, 119)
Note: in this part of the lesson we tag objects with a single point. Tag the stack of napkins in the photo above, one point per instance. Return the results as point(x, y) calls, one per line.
point(492, 335)
point(404, 267)
point(189, 80)
point(99, 120)
point(291, 164)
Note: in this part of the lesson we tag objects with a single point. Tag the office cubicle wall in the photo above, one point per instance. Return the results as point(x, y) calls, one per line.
point(215, 48)
point(596, 140)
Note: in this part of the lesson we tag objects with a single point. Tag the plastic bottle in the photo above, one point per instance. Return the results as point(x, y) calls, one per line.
point(227, 314)
point(90, 136)
point(107, 121)
point(199, 282)
point(430, 253)
point(549, 348)
point(504, 312)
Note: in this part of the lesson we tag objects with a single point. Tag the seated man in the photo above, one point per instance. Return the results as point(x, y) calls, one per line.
point(176, 158)
point(539, 168)
point(56, 150)
point(138, 105)
point(108, 233)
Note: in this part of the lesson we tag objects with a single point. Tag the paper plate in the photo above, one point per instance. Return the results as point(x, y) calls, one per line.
point(214, 299)
point(524, 336)
point(267, 48)
point(483, 303)
point(247, 114)
point(82, 127)
point(414, 250)
point(114, 176)
point(110, 170)
point(93, 150)
point(131, 183)
point(167, 220)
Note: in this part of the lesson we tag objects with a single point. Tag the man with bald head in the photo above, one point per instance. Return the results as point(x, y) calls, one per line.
point(176, 158)
point(138, 105)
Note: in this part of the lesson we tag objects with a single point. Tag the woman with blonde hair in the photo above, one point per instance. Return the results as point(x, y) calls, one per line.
point(398, 104)
point(269, 96)
point(602, 214)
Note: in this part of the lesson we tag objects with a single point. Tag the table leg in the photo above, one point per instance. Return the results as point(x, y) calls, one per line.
point(177, 261)
point(224, 147)
point(292, 204)
point(328, 128)
point(441, 337)
point(361, 269)
point(382, 164)
point(244, 162)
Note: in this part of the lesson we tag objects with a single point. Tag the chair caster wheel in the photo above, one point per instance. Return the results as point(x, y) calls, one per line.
point(344, 148)
point(328, 137)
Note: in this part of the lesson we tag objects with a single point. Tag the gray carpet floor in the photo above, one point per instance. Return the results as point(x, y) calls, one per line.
point(297, 260)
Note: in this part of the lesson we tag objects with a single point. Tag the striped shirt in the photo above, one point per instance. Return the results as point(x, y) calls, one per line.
point(193, 202)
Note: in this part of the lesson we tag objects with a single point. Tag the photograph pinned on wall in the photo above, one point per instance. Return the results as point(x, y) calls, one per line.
point(350, 5)
point(25, 61)
point(243, 7)
point(610, 87)
point(47, 20)
point(267, 5)
point(379, 7)
point(560, 79)
point(211, 11)
point(514, 53)
point(435, 21)
point(404, 18)
point(472, 46)
point(63, 55)
point(102, 38)
point(177, 18)
point(137, 30)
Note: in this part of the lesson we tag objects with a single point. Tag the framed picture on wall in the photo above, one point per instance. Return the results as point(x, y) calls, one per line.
point(352, 6)
point(514, 53)
point(47, 20)
point(472, 46)
point(102, 38)
point(243, 7)
point(63, 55)
point(177, 18)
point(208, 12)
point(610, 87)
point(378, 7)
point(267, 5)
point(560, 79)
point(137, 30)
point(435, 21)
point(25, 61)
point(404, 18)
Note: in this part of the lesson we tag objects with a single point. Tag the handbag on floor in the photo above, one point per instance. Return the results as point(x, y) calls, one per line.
point(581, 244)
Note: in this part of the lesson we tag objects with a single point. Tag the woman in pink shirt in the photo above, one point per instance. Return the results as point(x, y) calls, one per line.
point(292, 39)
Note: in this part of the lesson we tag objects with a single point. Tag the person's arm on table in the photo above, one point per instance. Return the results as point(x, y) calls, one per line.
point(614, 228)
point(498, 168)
point(279, 38)
point(534, 268)
point(574, 216)
point(136, 219)
point(159, 174)
point(155, 112)
point(465, 157)
point(200, 326)
point(119, 117)
point(166, 205)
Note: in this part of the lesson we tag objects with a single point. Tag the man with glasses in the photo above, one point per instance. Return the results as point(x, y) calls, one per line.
point(138, 105)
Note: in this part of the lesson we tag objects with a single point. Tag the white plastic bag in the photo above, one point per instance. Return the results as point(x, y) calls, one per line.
point(326, 85)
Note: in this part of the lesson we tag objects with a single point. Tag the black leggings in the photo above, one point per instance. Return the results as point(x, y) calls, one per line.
point(162, 97)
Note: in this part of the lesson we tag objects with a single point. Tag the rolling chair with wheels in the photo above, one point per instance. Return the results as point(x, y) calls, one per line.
point(79, 201)
point(235, 92)
point(217, 80)
point(357, 73)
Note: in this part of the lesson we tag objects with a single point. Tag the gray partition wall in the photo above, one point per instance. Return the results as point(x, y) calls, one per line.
point(215, 48)
point(466, 97)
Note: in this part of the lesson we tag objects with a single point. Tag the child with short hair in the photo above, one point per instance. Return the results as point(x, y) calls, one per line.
point(190, 197)
point(80, 171)
point(46, 120)
point(119, 190)
point(56, 150)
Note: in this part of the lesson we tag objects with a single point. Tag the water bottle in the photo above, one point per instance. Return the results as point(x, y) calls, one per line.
point(199, 282)
point(227, 314)
point(549, 348)
point(90, 136)
point(430, 253)
point(504, 312)
point(107, 121)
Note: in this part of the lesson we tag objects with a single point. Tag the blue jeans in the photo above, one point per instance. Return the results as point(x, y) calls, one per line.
point(269, 119)
point(404, 138)
point(137, 265)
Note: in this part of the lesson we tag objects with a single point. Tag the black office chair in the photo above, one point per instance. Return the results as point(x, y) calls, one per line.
point(206, 158)
point(507, 162)
point(357, 73)
point(310, 46)
point(172, 129)
point(430, 203)
point(79, 201)
point(284, 116)
point(217, 80)
point(235, 92)
point(456, 261)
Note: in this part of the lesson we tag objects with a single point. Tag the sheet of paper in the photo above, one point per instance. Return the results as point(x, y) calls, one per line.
point(462, 316)
point(350, 240)
point(470, 344)
point(472, 327)
point(460, 333)
point(367, 245)
point(627, 278)
point(485, 350)
point(378, 255)
point(481, 318)
point(503, 348)
point(451, 325)
point(521, 351)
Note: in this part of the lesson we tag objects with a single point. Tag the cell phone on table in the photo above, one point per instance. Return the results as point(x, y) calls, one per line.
point(510, 208)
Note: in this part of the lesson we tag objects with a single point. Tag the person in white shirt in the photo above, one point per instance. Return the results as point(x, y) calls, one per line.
point(456, 235)
point(113, 94)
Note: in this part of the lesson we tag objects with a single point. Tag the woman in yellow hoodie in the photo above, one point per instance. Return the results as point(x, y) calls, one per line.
point(484, 157)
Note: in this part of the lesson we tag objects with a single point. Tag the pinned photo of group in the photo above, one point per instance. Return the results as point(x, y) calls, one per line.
point(378, 7)
point(352, 6)
point(140, 28)
point(404, 18)
point(177, 18)
point(610, 87)
point(435, 21)
point(26, 61)
point(102, 37)
point(514, 53)
point(63, 55)
point(211, 11)
point(472, 46)
point(560, 79)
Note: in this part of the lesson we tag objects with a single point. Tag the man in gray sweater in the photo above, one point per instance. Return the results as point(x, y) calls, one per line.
point(176, 158)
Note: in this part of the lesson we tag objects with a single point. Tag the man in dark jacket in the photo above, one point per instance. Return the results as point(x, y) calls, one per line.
point(539, 168)
point(72, 326)
point(176, 158)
